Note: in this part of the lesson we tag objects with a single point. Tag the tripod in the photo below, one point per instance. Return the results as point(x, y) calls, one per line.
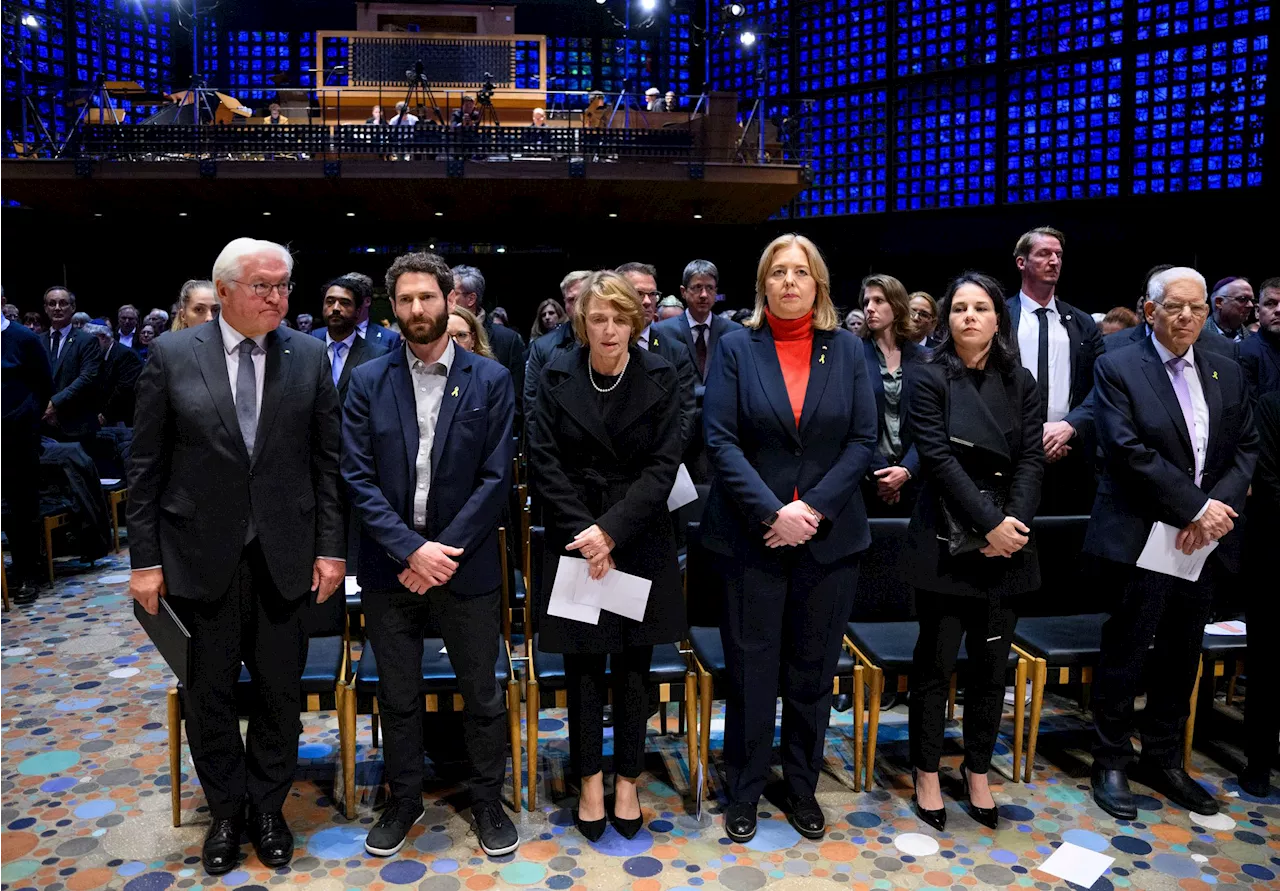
point(97, 92)
point(420, 93)
point(29, 111)
point(626, 103)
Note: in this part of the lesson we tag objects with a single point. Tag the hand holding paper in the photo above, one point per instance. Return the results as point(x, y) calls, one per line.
point(1164, 555)
point(578, 596)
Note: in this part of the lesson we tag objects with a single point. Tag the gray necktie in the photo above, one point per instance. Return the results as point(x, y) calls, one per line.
point(247, 395)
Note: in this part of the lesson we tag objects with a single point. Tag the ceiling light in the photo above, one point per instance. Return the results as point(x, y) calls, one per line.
point(736, 10)
point(351, 213)
point(431, 247)
point(97, 214)
point(182, 213)
point(502, 250)
point(266, 213)
point(648, 5)
point(613, 216)
point(439, 213)
point(369, 251)
point(30, 21)
point(747, 38)
point(697, 216)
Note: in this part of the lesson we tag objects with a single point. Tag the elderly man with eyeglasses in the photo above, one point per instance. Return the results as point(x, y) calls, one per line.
point(1231, 303)
point(236, 519)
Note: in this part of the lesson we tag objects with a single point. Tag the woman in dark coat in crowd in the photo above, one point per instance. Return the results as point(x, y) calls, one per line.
point(604, 448)
point(975, 423)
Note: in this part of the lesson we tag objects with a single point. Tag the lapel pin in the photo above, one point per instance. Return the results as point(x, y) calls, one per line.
point(286, 352)
point(822, 360)
point(1215, 375)
point(1066, 318)
point(454, 393)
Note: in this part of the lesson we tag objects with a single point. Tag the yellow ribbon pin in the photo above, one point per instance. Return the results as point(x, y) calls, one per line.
point(455, 392)
point(822, 360)
point(1215, 375)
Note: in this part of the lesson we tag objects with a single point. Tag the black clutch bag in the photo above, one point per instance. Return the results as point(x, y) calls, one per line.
point(959, 537)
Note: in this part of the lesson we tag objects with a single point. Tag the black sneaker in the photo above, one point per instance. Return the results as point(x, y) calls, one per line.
point(388, 834)
point(494, 828)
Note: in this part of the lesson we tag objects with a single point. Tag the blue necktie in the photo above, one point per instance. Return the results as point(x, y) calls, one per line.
point(335, 363)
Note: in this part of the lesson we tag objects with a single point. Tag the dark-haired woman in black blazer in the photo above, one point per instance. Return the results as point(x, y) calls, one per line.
point(790, 424)
point(975, 421)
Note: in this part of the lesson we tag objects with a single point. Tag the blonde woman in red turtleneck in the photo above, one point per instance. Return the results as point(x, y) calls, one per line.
point(790, 423)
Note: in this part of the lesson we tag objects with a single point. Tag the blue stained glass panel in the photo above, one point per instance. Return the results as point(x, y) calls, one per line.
point(939, 35)
point(944, 152)
point(1047, 27)
point(846, 142)
point(1166, 18)
point(842, 44)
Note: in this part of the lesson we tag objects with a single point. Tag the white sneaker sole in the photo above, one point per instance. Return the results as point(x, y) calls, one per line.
point(387, 852)
point(499, 852)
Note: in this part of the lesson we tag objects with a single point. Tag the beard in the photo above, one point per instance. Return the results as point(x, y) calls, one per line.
point(426, 328)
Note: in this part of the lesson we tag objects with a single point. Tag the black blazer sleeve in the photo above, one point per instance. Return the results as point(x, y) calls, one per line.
point(148, 462)
point(326, 474)
point(1081, 417)
point(1266, 481)
point(38, 372)
point(122, 394)
point(940, 465)
point(1028, 472)
point(483, 509)
point(1233, 487)
point(857, 444)
point(88, 359)
point(548, 475)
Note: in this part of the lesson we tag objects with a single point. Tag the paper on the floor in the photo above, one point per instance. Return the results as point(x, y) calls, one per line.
point(1161, 556)
point(1009, 695)
point(107, 484)
point(561, 602)
point(1233, 628)
point(683, 492)
point(1077, 865)
point(618, 592)
point(353, 587)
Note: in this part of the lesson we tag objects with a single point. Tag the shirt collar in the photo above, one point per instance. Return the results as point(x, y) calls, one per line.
point(1029, 306)
point(63, 331)
point(362, 327)
point(1165, 355)
point(693, 323)
point(231, 337)
point(348, 340)
point(445, 360)
point(644, 335)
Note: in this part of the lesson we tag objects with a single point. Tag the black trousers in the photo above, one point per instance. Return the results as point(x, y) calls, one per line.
point(396, 622)
point(944, 619)
point(1262, 705)
point(254, 624)
point(20, 479)
point(586, 687)
point(1070, 484)
point(783, 624)
point(1172, 613)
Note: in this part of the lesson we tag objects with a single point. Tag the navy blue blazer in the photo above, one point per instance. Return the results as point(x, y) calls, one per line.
point(759, 457)
point(911, 353)
point(27, 381)
point(377, 334)
point(1148, 467)
point(1260, 358)
point(470, 468)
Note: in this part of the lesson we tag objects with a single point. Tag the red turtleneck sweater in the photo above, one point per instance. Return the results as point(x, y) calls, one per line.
point(793, 339)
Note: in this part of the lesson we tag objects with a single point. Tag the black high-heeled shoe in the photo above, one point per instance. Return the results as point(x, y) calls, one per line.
point(593, 830)
point(628, 827)
point(937, 819)
point(987, 816)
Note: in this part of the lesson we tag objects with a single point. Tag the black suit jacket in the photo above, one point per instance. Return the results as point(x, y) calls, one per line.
point(75, 383)
point(508, 349)
point(1148, 466)
point(192, 485)
point(1260, 359)
point(541, 352)
point(375, 334)
point(1086, 347)
point(27, 379)
point(362, 350)
point(675, 352)
point(678, 327)
point(911, 355)
point(117, 382)
point(966, 433)
point(470, 468)
point(761, 459)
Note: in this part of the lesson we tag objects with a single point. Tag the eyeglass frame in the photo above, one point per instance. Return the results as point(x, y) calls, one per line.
point(283, 288)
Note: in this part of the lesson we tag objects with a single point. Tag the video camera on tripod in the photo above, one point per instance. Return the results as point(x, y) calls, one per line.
point(484, 96)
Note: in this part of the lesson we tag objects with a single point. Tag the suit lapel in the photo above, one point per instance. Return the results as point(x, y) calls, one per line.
point(455, 389)
point(1014, 304)
point(1067, 316)
point(1159, 380)
point(969, 419)
point(355, 356)
point(1212, 397)
point(279, 368)
point(211, 357)
point(820, 362)
point(643, 398)
point(575, 396)
point(406, 407)
point(772, 383)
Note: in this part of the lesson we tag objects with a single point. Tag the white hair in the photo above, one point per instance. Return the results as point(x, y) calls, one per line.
point(1160, 282)
point(231, 261)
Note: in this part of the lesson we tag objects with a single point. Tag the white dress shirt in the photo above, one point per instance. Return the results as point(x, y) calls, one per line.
point(1059, 353)
point(231, 343)
point(127, 339)
point(1199, 407)
point(342, 360)
point(361, 327)
point(694, 323)
point(428, 392)
point(643, 343)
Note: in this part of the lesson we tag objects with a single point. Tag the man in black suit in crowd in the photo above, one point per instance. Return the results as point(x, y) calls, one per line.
point(344, 298)
point(25, 387)
point(507, 344)
point(701, 330)
point(1178, 446)
point(542, 350)
point(1231, 304)
point(72, 412)
point(644, 278)
point(374, 334)
point(235, 515)
point(127, 326)
point(1058, 344)
point(117, 379)
point(1260, 355)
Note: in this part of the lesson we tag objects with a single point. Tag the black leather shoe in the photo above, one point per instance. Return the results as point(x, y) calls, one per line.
point(987, 816)
point(740, 821)
point(272, 839)
point(1111, 793)
point(1175, 784)
point(221, 850)
point(1255, 783)
point(937, 819)
point(805, 815)
point(842, 702)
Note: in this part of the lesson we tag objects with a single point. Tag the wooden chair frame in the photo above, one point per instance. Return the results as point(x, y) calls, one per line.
point(342, 696)
point(115, 498)
point(874, 677)
point(50, 523)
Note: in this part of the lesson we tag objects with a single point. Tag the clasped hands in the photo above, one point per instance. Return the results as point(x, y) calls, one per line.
point(1216, 522)
point(796, 523)
point(596, 546)
point(889, 483)
point(1056, 436)
point(1006, 539)
point(430, 566)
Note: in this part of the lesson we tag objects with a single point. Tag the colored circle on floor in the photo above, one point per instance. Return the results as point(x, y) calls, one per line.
point(402, 872)
point(48, 762)
point(18, 870)
point(523, 872)
point(1016, 813)
point(1085, 839)
point(59, 784)
point(642, 867)
point(1131, 845)
point(92, 810)
point(152, 881)
point(999, 855)
point(864, 819)
point(1176, 865)
point(614, 845)
point(337, 842)
point(1217, 822)
point(773, 835)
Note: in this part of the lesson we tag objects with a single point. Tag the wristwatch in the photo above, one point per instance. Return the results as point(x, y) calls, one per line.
point(771, 519)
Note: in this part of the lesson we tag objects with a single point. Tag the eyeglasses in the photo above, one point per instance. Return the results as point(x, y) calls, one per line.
point(652, 295)
point(921, 314)
point(462, 337)
point(58, 304)
point(1199, 310)
point(701, 289)
point(262, 289)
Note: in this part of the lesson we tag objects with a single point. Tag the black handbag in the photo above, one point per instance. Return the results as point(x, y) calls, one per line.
point(960, 538)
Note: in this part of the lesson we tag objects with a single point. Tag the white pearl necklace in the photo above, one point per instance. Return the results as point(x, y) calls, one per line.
point(592, 375)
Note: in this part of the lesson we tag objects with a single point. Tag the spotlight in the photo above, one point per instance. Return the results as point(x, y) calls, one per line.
point(30, 21)
point(648, 5)
point(502, 250)
point(266, 213)
point(697, 216)
point(747, 38)
point(439, 213)
point(182, 213)
point(370, 250)
point(600, 2)
point(351, 213)
point(737, 10)
point(613, 216)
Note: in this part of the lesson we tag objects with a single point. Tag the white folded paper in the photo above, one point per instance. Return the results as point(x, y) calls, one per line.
point(1077, 864)
point(683, 492)
point(353, 586)
point(1232, 628)
point(575, 595)
point(1160, 554)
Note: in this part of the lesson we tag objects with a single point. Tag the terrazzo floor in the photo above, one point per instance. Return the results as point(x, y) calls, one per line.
point(85, 783)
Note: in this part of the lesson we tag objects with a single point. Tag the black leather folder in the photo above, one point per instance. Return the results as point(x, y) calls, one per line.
point(170, 636)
